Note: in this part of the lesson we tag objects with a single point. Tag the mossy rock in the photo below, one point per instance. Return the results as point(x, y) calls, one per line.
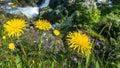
point(51, 43)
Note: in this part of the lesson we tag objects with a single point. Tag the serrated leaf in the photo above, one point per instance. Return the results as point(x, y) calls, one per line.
point(118, 65)
point(52, 66)
point(97, 65)
point(18, 62)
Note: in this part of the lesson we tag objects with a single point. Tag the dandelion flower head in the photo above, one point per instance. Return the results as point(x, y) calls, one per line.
point(33, 61)
point(56, 32)
point(13, 6)
point(11, 46)
point(43, 25)
point(15, 27)
point(80, 42)
point(4, 37)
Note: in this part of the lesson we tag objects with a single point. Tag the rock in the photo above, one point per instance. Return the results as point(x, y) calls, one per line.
point(44, 11)
point(51, 43)
point(71, 2)
point(60, 12)
point(54, 3)
point(32, 36)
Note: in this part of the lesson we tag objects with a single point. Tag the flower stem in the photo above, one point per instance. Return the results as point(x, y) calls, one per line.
point(22, 48)
point(39, 51)
point(40, 42)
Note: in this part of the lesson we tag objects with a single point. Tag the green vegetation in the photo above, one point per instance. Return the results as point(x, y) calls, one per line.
point(36, 45)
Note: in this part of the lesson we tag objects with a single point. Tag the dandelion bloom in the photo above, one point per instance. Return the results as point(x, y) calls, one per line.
point(80, 42)
point(13, 6)
point(43, 25)
point(33, 61)
point(56, 32)
point(11, 46)
point(15, 27)
point(4, 37)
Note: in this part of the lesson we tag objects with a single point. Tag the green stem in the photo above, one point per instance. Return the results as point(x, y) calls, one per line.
point(103, 28)
point(40, 43)
point(22, 48)
point(39, 52)
point(87, 61)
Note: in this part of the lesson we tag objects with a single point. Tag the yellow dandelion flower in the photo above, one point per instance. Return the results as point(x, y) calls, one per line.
point(33, 61)
point(56, 32)
point(13, 6)
point(11, 46)
point(15, 27)
point(4, 37)
point(79, 42)
point(43, 25)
